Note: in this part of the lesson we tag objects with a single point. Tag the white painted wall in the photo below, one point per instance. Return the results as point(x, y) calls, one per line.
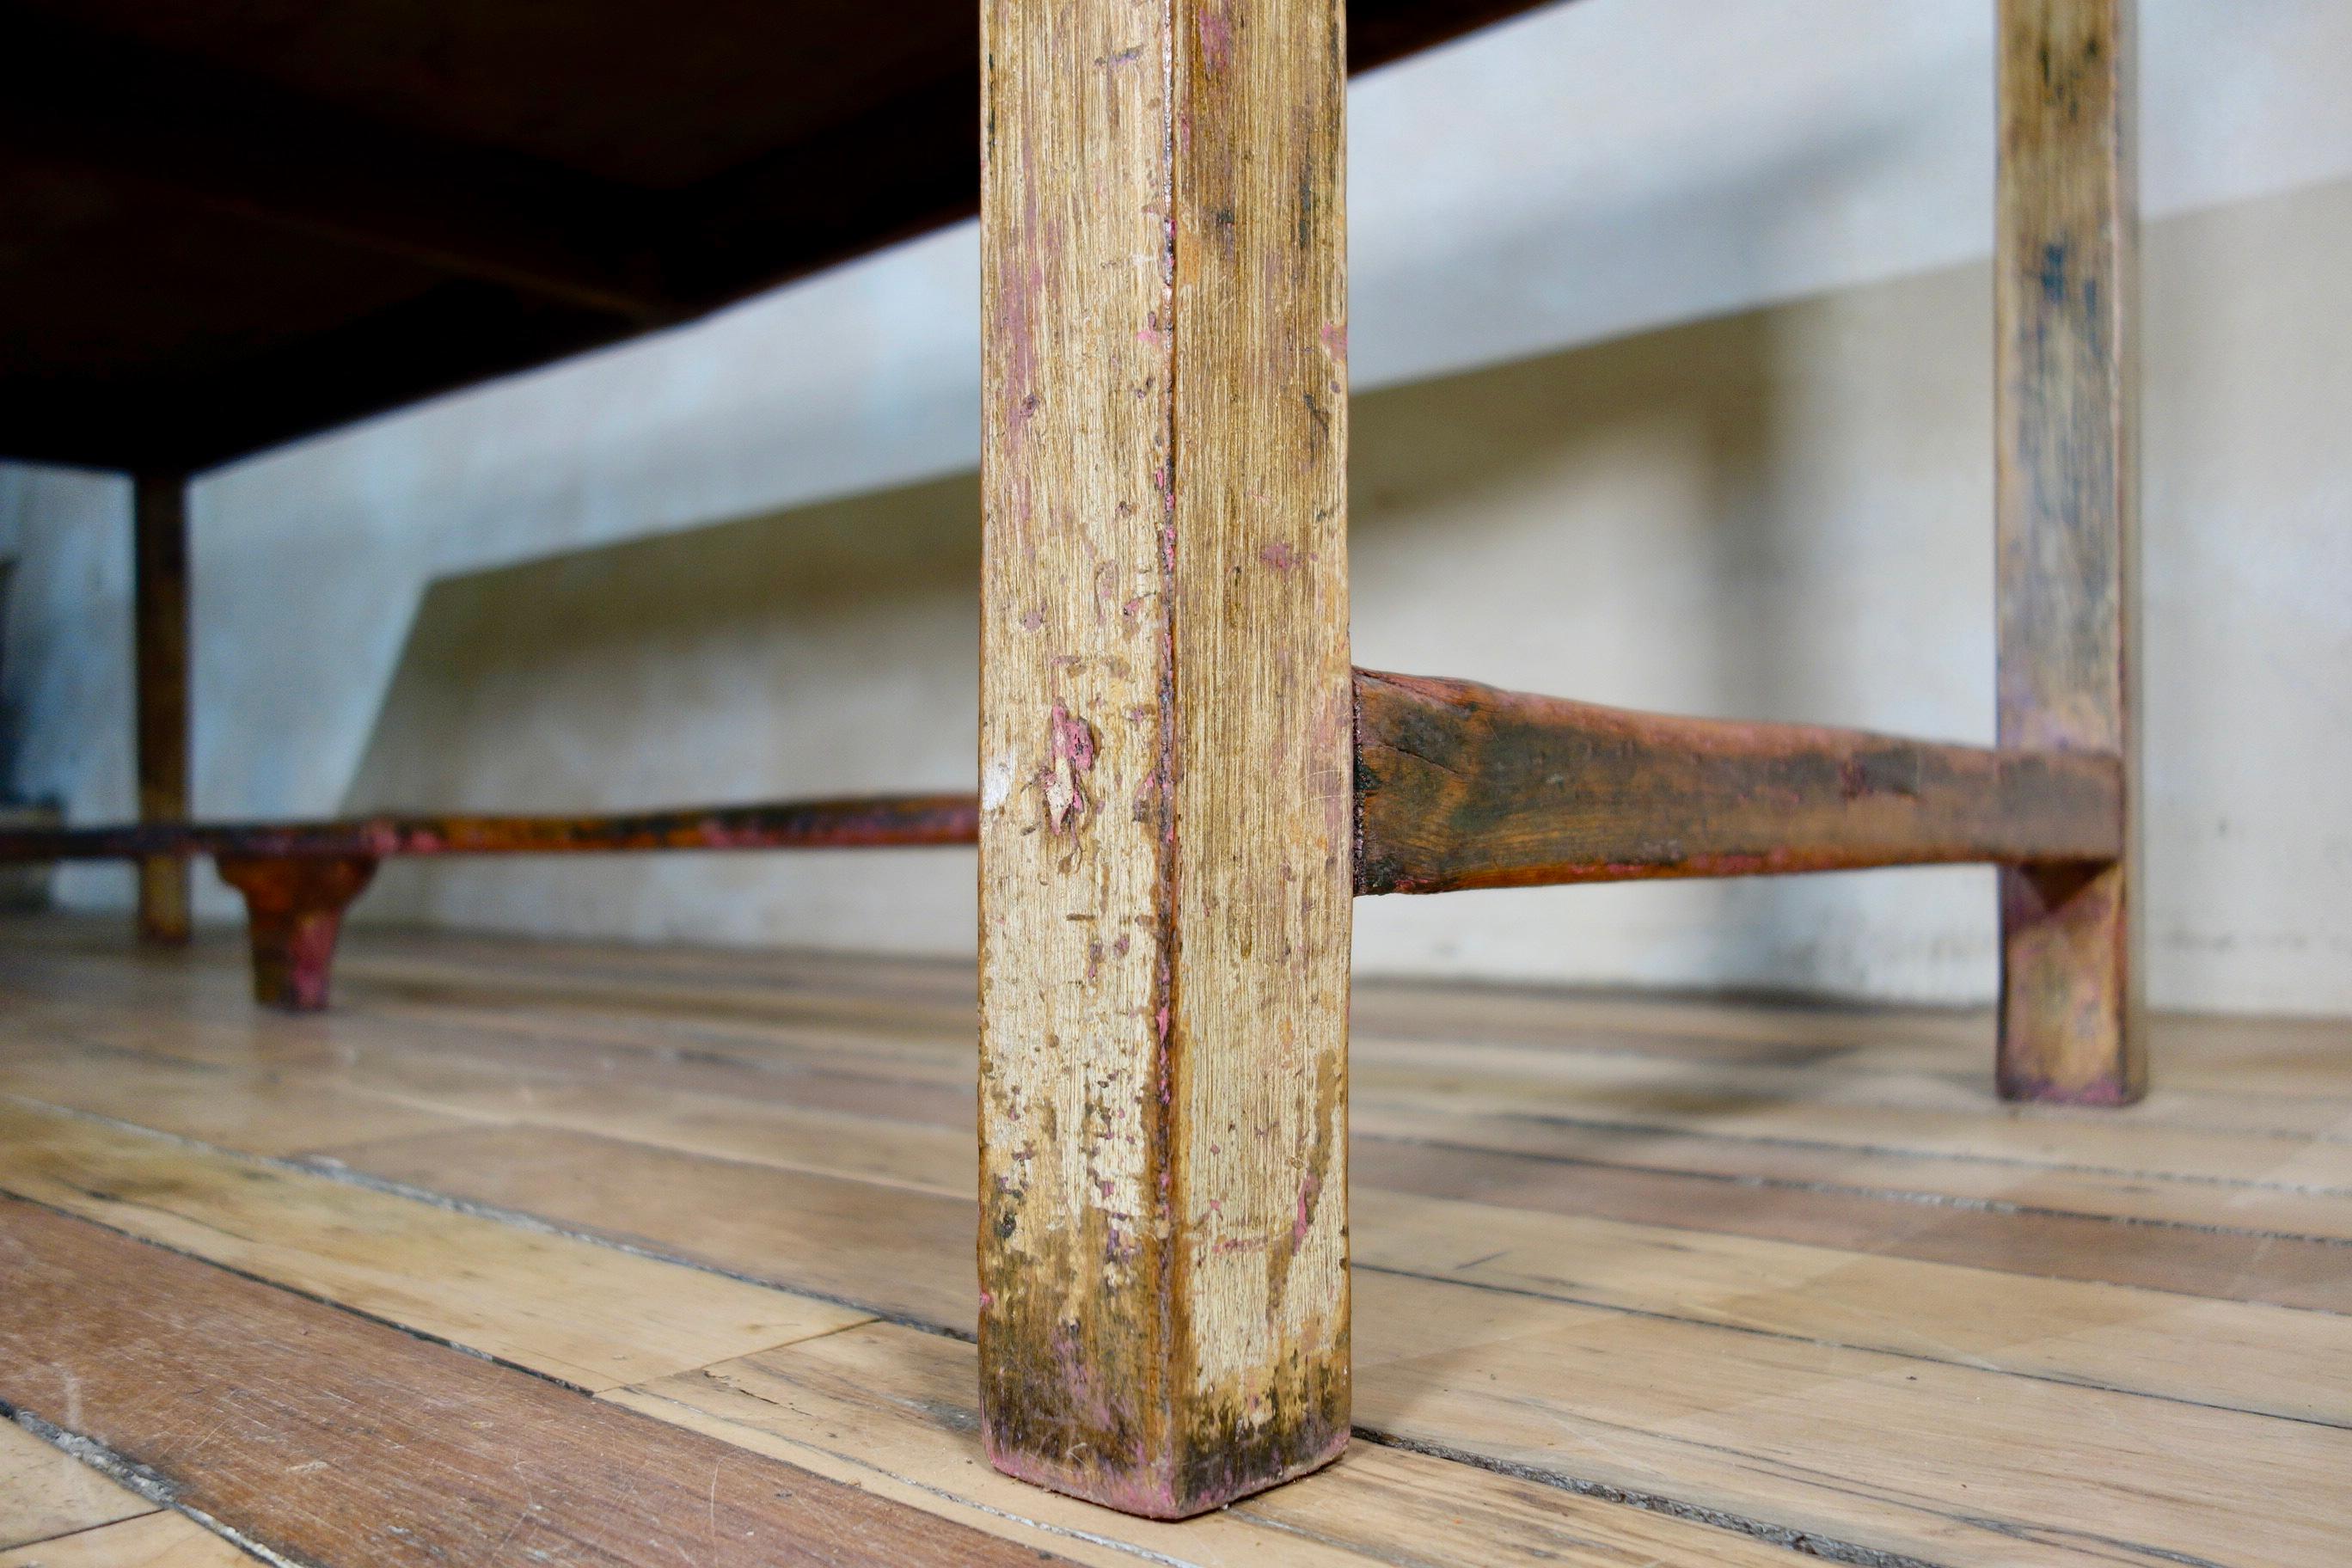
point(1713, 271)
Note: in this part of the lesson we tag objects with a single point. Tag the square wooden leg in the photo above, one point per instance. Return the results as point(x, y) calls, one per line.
point(2065, 295)
point(160, 669)
point(1165, 747)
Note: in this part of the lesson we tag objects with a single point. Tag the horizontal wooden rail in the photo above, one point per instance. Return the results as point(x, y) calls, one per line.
point(1460, 786)
point(1457, 785)
point(857, 823)
point(298, 877)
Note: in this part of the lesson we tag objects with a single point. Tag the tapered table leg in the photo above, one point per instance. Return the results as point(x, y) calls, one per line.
point(294, 908)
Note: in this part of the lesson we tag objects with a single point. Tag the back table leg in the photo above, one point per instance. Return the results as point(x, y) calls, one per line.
point(2064, 276)
point(1165, 747)
point(159, 670)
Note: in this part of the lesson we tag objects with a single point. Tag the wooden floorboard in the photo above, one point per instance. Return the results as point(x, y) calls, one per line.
point(45, 1492)
point(330, 1439)
point(154, 1540)
point(1637, 1279)
point(592, 1317)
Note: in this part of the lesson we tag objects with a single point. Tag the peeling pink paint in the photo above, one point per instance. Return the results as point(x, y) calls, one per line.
point(1281, 557)
point(1072, 757)
point(1216, 40)
point(1074, 740)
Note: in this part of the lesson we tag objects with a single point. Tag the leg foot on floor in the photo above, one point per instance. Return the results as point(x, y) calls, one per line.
point(2068, 1033)
point(294, 907)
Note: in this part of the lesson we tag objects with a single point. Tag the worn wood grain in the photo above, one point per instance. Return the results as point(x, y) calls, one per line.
point(1931, 1462)
point(2065, 296)
point(1460, 786)
point(1164, 746)
point(2234, 1265)
point(159, 614)
point(890, 1250)
point(1681, 1142)
point(1913, 1113)
point(260, 1111)
point(1741, 1188)
point(1630, 1245)
point(590, 1316)
point(1503, 1367)
point(1898, 1141)
point(331, 1440)
point(903, 1115)
point(908, 1399)
point(1794, 1144)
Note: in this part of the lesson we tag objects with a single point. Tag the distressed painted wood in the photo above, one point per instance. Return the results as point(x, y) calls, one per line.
point(891, 1251)
point(2066, 294)
point(1460, 786)
point(264, 1111)
point(159, 569)
point(327, 1439)
point(1164, 747)
point(1445, 1306)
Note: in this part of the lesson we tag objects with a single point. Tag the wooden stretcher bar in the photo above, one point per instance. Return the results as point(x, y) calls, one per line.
point(298, 877)
point(1457, 785)
point(839, 823)
point(1460, 786)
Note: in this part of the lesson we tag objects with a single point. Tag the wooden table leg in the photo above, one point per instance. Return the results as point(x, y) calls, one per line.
point(1165, 747)
point(2064, 291)
point(294, 908)
point(159, 636)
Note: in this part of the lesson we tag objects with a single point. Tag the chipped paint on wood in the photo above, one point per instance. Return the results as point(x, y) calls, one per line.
point(2065, 289)
point(1460, 786)
point(1165, 714)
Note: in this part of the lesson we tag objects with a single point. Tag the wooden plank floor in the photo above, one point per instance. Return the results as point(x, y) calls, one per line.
point(565, 1254)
